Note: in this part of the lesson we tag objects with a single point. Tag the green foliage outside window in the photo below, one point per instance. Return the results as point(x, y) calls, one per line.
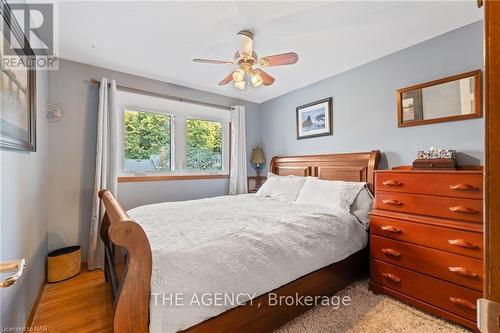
point(148, 137)
point(204, 145)
point(148, 143)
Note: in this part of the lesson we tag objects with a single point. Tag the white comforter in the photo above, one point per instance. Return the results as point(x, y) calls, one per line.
point(235, 244)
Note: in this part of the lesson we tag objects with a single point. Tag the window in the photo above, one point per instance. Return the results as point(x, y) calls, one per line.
point(161, 137)
point(204, 145)
point(147, 141)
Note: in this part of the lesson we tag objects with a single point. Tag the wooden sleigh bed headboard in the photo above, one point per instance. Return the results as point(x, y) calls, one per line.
point(128, 257)
point(355, 167)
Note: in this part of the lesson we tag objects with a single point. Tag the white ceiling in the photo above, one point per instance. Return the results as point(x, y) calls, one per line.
point(159, 39)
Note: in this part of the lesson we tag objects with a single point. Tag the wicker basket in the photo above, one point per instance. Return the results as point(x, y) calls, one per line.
point(63, 264)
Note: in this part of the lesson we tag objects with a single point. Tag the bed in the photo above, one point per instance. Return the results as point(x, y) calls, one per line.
point(159, 256)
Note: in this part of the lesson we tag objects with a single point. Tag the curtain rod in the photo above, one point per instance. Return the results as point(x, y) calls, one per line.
point(174, 98)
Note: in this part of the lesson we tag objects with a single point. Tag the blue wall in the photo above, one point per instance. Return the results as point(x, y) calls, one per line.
point(365, 115)
point(23, 216)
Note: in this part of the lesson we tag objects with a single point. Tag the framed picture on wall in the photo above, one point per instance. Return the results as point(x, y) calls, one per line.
point(17, 87)
point(315, 119)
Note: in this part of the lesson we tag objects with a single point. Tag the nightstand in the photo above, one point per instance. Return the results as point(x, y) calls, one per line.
point(252, 183)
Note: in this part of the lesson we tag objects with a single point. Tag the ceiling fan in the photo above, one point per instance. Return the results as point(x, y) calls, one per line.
point(246, 59)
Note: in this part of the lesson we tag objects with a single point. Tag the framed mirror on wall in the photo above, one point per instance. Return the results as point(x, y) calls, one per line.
point(456, 97)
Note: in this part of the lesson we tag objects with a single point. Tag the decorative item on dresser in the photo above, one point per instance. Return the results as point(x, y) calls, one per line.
point(435, 159)
point(426, 240)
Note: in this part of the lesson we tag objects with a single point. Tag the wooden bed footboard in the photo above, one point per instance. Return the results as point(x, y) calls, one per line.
point(128, 266)
point(262, 315)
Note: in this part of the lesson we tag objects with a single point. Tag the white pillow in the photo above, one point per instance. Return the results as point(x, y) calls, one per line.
point(284, 188)
point(329, 193)
point(362, 206)
point(264, 188)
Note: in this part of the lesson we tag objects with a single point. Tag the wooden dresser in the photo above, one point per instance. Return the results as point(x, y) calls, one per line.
point(426, 240)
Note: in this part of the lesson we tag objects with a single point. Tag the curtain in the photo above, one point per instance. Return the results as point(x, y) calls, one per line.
point(106, 166)
point(238, 172)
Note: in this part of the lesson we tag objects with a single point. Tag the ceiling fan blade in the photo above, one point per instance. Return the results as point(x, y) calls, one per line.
point(279, 59)
point(267, 79)
point(209, 61)
point(227, 79)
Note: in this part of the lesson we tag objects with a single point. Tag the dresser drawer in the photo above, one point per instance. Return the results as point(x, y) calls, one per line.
point(455, 299)
point(465, 271)
point(455, 184)
point(451, 240)
point(451, 208)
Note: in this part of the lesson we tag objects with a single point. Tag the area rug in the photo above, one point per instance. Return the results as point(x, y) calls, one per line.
point(368, 313)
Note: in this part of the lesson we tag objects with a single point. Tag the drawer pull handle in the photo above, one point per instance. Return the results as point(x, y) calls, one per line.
point(463, 210)
point(462, 271)
point(392, 183)
point(391, 277)
point(463, 187)
point(390, 228)
point(392, 202)
point(463, 302)
point(462, 243)
point(391, 252)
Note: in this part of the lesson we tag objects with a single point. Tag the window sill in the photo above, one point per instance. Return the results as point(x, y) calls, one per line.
point(157, 178)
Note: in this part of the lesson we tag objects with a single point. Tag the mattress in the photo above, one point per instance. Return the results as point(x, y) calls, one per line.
point(211, 255)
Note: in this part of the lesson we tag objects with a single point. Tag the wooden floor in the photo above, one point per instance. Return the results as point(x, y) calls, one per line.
point(81, 304)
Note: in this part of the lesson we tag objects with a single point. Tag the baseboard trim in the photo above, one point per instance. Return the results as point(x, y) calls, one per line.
point(34, 308)
point(29, 320)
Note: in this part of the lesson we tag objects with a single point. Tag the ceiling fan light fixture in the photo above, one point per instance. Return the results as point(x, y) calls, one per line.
point(239, 84)
point(239, 75)
point(256, 79)
point(245, 76)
